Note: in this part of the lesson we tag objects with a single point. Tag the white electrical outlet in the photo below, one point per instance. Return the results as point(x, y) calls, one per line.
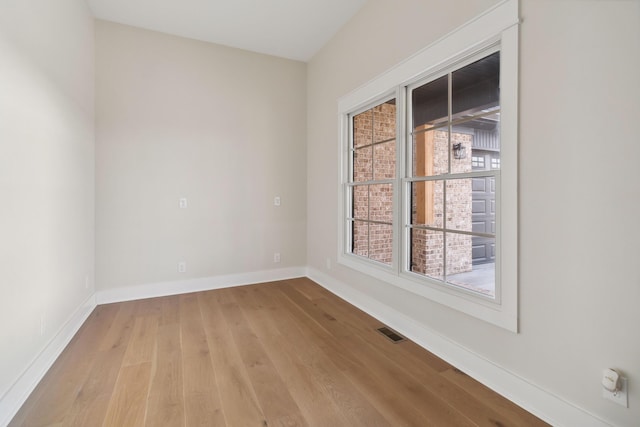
point(276, 201)
point(182, 267)
point(182, 203)
point(619, 396)
point(276, 257)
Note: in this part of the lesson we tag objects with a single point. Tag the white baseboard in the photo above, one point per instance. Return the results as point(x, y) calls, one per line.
point(161, 289)
point(541, 403)
point(15, 397)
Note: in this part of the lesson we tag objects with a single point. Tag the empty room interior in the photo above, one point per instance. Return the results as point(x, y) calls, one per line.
point(209, 210)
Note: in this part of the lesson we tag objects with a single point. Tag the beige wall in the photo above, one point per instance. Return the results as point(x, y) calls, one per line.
point(578, 232)
point(46, 174)
point(224, 128)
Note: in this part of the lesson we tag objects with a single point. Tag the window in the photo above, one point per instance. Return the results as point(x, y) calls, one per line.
point(451, 232)
point(429, 180)
point(372, 176)
point(477, 162)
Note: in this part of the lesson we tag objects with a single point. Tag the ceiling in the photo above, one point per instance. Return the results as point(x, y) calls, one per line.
point(294, 29)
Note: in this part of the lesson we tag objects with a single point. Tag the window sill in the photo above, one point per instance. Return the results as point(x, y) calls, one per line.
point(468, 302)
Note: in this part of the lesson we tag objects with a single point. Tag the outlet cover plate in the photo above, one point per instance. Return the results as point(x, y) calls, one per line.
point(182, 267)
point(621, 397)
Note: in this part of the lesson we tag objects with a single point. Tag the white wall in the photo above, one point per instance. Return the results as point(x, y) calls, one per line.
point(224, 128)
point(579, 181)
point(46, 174)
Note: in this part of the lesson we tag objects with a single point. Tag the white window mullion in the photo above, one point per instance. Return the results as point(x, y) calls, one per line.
point(398, 187)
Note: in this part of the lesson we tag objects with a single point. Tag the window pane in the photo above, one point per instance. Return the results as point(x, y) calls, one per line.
point(483, 250)
point(384, 121)
point(459, 204)
point(486, 139)
point(363, 129)
point(431, 152)
point(461, 150)
point(360, 202)
point(495, 161)
point(427, 203)
point(458, 253)
point(471, 263)
point(381, 242)
point(360, 238)
point(430, 104)
point(374, 158)
point(381, 202)
point(476, 87)
point(427, 253)
point(478, 162)
point(483, 204)
point(385, 160)
point(363, 164)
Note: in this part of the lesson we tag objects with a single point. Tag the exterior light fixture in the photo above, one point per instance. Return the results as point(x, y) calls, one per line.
point(459, 152)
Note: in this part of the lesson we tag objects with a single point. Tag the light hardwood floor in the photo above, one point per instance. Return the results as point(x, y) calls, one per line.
point(287, 353)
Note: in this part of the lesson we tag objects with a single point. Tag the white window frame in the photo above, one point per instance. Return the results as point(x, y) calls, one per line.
point(498, 26)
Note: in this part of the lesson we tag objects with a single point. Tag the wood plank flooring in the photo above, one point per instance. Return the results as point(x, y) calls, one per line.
point(286, 353)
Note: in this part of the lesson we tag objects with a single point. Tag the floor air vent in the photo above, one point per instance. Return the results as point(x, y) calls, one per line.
point(392, 335)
